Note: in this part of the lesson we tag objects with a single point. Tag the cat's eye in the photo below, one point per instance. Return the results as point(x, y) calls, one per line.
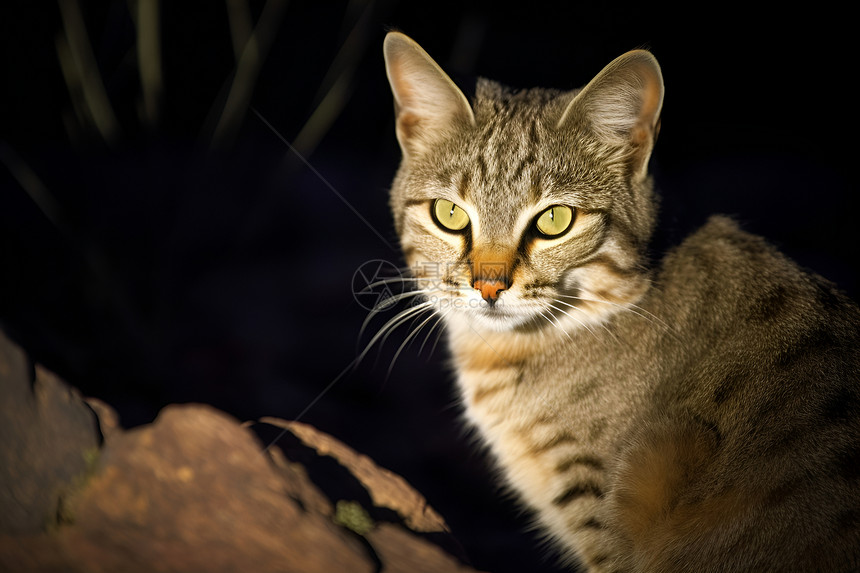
point(555, 220)
point(449, 215)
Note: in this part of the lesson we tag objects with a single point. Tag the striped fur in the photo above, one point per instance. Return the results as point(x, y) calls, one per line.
point(698, 415)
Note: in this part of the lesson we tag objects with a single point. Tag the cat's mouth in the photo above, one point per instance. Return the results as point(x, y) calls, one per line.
point(506, 311)
point(535, 308)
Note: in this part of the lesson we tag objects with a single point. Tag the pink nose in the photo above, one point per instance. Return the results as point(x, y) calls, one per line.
point(490, 289)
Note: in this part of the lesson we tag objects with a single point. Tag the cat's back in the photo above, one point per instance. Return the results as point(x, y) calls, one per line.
point(753, 437)
point(726, 288)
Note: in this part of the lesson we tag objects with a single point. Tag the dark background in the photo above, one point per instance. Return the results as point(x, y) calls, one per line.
point(160, 267)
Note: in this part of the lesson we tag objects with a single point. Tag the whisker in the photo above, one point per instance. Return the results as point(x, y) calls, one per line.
point(573, 306)
point(388, 303)
point(440, 319)
point(397, 316)
point(441, 330)
point(585, 326)
point(407, 339)
point(387, 281)
point(554, 325)
point(392, 324)
point(647, 315)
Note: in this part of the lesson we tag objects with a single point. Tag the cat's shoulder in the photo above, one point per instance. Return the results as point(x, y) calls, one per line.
point(724, 266)
point(722, 250)
point(722, 240)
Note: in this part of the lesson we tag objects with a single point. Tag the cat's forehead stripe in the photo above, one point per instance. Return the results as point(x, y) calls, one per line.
point(464, 186)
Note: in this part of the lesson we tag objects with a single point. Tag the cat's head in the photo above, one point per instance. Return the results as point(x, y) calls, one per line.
point(525, 209)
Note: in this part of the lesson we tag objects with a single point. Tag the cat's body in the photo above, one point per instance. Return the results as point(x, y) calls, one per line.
point(702, 414)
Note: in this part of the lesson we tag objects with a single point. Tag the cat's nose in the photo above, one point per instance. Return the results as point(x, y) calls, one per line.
point(490, 289)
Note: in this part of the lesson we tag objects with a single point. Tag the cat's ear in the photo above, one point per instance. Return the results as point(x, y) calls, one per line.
point(622, 104)
point(427, 104)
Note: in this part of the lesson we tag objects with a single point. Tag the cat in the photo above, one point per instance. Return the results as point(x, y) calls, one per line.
point(697, 414)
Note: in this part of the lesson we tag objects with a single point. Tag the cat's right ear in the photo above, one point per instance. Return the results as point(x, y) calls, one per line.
point(427, 104)
point(622, 105)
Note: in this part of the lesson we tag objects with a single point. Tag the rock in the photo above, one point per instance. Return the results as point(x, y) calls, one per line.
point(49, 438)
point(195, 491)
point(407, 534)
point(386, 488)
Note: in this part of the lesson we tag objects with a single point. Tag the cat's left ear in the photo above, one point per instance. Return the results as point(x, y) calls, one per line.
point(427, 103)
point(622, 104)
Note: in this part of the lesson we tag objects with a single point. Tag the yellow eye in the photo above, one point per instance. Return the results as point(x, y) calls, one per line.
point(555, 220)
point(449, 216)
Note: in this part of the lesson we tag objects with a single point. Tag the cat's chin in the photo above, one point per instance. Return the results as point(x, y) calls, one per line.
point(498, 318)
point(481, 315)
point(514, 314)
point(529, 318)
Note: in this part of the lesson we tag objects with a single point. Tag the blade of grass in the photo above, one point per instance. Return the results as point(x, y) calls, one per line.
point(87, 71)
point(149, 58)
point(247, 70)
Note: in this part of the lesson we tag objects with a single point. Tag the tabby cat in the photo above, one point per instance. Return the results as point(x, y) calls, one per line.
point(700, 414)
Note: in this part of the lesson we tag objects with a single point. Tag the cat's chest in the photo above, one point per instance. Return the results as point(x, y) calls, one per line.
point(538, 394)
point(538, 376)
point(539, 405)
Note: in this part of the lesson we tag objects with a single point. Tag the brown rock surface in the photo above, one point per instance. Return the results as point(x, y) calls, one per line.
point(194, 491)
point(47, 437)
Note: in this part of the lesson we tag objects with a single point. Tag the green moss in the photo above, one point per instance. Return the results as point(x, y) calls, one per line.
point(64, 514)
point(91, 459)
point(351, 515)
